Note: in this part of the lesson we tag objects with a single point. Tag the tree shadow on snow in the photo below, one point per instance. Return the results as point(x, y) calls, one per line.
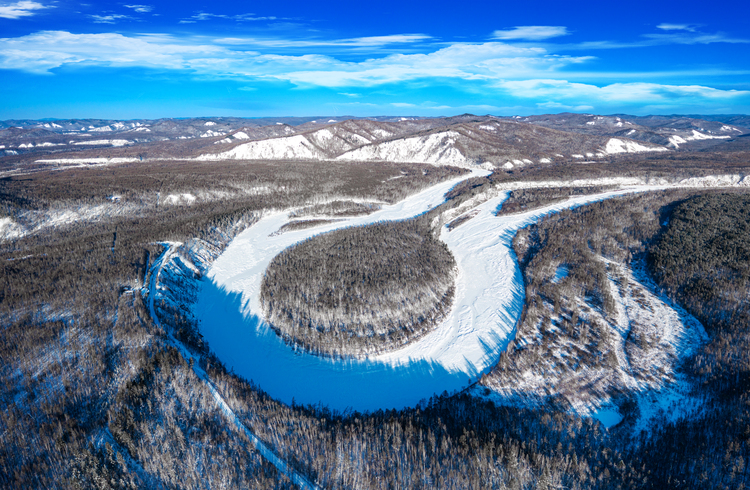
point(248, 347)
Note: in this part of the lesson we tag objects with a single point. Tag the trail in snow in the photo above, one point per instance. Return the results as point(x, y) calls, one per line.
point(489, 299)
point(264, 450)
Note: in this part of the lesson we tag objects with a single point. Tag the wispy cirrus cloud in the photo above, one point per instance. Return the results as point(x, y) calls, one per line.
point(141, 9)
point(677, 27)
point(520, 72)
point(109, 19)
point(692, 37)
point(24, 8)
point(371, 41)
point(531, 33)
point(675, 35)
point(651, 93)
point(203, 16)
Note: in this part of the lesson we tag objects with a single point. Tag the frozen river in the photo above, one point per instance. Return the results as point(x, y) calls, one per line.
point(488, 301)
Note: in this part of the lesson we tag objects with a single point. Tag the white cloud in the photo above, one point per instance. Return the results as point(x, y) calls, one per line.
point(202, 16)
point(492, 69)
point(487, 61)
point(42, 51)
point(531, 33)
point(45, 50)
point(141, 9)
point(563, 107)
point(109, 19)
point(20, 9)
point(373, 41)
point(556, 91)
point(691, 38)
point(676, 27)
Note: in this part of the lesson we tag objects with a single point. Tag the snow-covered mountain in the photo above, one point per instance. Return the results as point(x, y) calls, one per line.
point(465, 141)
point(487, 142)
point(670, 131)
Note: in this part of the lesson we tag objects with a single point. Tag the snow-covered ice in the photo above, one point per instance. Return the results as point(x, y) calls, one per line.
point(489, 298)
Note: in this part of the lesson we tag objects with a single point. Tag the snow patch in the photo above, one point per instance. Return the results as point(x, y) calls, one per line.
point(435, 149)
point(105, 142)
point(179, 199)
point(702, 136)
point(616, 145)
point(9, 229)
point(209, 123)
point(95, 160)
point(292, 147)
point(716, 181)
point(676, 141)
point(210, 134)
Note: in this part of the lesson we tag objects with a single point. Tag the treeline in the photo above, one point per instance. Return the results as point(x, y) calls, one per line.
point(360, 290)
point(527, 199)
point(450, 442)
point(336, 208)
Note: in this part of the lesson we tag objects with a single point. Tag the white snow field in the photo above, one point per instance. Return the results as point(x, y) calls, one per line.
point(488, 302)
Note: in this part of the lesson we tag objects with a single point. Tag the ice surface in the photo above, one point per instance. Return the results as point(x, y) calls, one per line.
point(489, 298)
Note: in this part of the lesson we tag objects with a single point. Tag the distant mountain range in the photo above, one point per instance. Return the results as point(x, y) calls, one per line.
point(466, 140)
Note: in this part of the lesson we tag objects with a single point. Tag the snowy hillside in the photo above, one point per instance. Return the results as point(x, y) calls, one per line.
point(489, 143)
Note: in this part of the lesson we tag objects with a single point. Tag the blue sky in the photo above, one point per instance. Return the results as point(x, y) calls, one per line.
point(149, 59)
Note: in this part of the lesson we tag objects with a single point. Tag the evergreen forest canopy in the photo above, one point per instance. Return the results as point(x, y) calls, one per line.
point(360, 290)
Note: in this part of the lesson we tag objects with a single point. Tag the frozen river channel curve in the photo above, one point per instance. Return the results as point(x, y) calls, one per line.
point(488, 302)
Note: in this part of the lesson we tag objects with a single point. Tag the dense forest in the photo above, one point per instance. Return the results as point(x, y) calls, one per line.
point(360, 290)
point(526, 199)
point(96, 394)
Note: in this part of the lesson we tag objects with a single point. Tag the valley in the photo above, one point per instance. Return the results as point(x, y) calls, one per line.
point(150, 326)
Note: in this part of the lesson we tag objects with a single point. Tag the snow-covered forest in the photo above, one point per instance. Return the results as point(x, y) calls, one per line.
point(523, 319)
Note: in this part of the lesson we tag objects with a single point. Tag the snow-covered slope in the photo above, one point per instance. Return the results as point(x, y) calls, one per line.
point(617, 145)
point(437, 149)
point(293, 147)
